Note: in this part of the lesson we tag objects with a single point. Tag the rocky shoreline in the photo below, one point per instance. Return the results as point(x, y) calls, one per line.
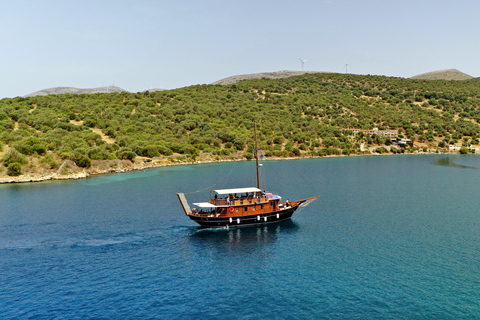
point(69, 171)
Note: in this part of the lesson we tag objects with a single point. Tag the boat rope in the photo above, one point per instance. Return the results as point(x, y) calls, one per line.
point(295, 170)
point(209, 187)
point(227, 177)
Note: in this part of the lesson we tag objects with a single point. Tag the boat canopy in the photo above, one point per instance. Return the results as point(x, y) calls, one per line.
point(237, 190)
point(204, 205)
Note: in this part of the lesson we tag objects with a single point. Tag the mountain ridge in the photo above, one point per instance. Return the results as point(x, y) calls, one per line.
point(73, 90)
point(446, 74)
point(269, 75)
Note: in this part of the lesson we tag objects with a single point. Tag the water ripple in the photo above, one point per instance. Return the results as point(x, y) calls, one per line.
point(391, 238)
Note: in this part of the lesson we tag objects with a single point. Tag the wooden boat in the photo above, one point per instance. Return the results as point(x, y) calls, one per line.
point(238, 207)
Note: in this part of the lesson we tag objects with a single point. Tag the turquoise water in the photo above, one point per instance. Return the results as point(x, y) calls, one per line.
point(394, 237)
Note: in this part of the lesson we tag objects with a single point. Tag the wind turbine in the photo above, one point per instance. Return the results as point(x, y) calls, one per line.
point(346, 67)
point(303, 63)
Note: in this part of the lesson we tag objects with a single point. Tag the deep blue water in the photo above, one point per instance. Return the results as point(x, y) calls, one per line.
point(394, 237)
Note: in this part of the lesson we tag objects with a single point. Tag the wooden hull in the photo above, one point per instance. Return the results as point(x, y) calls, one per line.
point(243, 221)
point(228, 215)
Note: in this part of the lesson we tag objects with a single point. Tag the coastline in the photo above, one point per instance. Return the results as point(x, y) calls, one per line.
point(69, 171)
point(99, 167)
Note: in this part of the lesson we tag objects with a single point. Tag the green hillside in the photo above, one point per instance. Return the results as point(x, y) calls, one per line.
point(297, 116)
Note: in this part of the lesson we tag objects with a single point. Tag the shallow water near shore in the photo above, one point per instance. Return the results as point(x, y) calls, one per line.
point(394, 237)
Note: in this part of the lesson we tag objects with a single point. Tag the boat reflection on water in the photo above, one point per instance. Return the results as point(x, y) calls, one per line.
point(249, 238)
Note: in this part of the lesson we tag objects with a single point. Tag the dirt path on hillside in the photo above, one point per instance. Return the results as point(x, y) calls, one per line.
point(105, 138)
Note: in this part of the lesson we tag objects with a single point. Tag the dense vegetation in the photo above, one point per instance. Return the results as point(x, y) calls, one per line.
point(296, 116)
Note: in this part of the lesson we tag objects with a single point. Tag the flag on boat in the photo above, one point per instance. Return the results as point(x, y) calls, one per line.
point(261, 155)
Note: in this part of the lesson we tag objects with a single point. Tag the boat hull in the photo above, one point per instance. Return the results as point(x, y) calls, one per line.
point(243, 221)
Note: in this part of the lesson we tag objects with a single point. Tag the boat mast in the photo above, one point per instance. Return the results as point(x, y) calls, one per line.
point(256, 155)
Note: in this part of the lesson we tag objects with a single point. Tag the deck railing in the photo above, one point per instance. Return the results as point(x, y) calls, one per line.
point(238, 202)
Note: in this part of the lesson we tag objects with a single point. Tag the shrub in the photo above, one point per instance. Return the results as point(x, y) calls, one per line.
point(23, 147)
point(189, 149)
point(14, 169)
point(225, 152)
point(278, 140)
point(248, 156)
point(126, 153)
point(39, 149)
point(239, 144)
point(303, 147)
point(347, 151)
point(48, 159)
point(165, 151)
point(13, 156)
point(81, 160)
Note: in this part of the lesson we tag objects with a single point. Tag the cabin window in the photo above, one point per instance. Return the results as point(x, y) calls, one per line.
point(254, 208)
point(246, 209)
point(261, 206)
point(237, 209)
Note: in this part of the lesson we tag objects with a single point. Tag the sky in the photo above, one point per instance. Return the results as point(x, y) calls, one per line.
point(144, 44)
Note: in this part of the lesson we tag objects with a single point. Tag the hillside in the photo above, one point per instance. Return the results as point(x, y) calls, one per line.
point(266, 75)
point(448, 74)
point(64, 135)
point(64, 90)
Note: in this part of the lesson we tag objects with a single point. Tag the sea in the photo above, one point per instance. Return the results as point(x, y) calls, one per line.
point(392, 237)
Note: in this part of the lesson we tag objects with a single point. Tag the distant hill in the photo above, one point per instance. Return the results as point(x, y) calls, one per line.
point(154, 90)
point(448, 74)
point(63, 90)
point(268, 75)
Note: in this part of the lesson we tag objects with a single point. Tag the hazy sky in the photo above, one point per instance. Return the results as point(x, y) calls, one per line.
point(143, 44)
